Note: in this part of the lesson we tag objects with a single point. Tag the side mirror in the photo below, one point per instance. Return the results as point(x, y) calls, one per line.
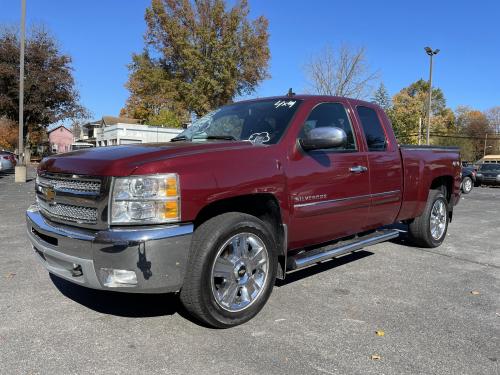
point(324, 137)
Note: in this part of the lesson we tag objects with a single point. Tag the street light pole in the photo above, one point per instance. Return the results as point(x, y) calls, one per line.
point(20, 171)
point(431, 53)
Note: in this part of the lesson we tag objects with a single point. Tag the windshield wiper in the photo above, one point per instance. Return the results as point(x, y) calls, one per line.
point(224, 137)
point(180, 138)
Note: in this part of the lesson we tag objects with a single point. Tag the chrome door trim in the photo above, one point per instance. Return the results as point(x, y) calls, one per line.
point(346, 199)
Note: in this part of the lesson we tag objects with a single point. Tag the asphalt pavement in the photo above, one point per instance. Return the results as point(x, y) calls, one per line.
point(439, 310)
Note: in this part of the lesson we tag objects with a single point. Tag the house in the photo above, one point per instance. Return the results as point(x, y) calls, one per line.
point(60, 139)
point(88, 132)
point(122, 130)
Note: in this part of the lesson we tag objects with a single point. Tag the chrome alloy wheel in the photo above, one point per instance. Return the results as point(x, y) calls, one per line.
point(438, 219)
point(239, 272)
point(468, 184)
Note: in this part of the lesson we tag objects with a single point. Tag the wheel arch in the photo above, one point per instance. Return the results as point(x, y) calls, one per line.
point(264, 206)
point(445, 184)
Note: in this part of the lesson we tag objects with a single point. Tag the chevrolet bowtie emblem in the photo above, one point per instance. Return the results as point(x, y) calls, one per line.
point(50, 195)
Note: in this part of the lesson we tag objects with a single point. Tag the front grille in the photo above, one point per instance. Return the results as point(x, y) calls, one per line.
point(69, 184)
point(77, 214)
point(73, 199)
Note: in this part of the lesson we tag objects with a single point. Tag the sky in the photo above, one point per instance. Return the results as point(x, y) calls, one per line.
point(101, 35)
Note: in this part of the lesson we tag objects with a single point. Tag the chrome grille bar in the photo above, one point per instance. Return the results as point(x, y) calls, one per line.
point(75, 214)
point(70, 184)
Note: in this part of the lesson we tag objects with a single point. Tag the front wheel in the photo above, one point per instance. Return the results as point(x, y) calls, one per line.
point(231, 270)
point(467, 185)
point(429, 229)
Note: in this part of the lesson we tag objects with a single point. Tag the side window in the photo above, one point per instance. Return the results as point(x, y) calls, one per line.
point(330, 114)
point(374, 133)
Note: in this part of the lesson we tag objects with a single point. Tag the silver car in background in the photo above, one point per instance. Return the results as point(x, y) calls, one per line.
point(7, 161)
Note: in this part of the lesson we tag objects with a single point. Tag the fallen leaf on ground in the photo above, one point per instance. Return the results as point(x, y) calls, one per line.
point(380, 333)
point(475, 292)
point(375, 357)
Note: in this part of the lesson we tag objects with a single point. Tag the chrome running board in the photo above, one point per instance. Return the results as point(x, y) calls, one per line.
point(308, 258)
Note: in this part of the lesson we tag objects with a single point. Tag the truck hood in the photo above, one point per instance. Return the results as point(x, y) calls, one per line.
point(123, 160)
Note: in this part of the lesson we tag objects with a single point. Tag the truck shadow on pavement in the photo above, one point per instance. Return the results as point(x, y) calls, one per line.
point(130, 305)
point(322, 267)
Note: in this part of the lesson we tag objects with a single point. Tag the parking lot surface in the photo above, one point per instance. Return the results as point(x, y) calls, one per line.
point(439, 310)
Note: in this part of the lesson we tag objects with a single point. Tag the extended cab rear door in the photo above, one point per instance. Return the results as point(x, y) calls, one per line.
point(384, 164)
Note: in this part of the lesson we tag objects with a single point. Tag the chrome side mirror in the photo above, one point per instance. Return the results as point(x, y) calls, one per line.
point(324, 137)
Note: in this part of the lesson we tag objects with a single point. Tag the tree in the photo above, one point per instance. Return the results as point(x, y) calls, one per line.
point(493, 116)
point(342, 72)
point(8, 134)
point(50, 94)
point(381, 97)
point(198, 56)
point(409, 106)
point(475, 125)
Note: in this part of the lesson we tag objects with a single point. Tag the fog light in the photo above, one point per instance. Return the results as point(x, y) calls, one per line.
point(118, 278)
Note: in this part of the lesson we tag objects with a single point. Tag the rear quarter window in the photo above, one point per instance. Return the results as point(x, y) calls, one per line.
point(374, 132)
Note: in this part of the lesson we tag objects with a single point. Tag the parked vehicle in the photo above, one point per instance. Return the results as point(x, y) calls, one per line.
point(488, 174)
point(7, 160)
point(246, 194)
point(468, 179)
point(80, 146)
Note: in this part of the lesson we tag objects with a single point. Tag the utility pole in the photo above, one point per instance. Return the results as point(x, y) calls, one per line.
point(20, 172)
point(484, 150)
point(431, 53)
point(419, 131)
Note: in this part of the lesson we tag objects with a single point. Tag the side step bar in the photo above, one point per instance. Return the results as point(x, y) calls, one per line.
point(320, 254)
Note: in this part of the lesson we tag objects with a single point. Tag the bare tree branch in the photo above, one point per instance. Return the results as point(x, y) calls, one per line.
point(344, 72)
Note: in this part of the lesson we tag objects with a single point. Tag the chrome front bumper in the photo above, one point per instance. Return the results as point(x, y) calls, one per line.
point(157, 254)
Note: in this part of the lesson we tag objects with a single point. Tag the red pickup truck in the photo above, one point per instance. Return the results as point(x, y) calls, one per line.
point(246, 194)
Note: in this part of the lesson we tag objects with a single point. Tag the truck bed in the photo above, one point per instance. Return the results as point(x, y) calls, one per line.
point(422, 165)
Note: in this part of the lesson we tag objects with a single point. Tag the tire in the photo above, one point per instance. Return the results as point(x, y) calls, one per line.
point(467, 185)
point(227, 284)
point(421, 230)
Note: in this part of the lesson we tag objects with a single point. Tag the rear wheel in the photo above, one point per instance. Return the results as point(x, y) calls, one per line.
point(467, 185)
point(429, 229)
point(231, 270)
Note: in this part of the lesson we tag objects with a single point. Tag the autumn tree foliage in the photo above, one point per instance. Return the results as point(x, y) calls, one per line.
point(410, 105)
point(8, 134)
point(50, 94)
point(475, 126)
point(198, 56)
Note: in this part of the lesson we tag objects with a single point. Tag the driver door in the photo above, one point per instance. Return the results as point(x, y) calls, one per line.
point(329, 188)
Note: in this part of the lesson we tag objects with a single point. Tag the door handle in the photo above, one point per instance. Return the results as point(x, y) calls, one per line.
point(358, 169)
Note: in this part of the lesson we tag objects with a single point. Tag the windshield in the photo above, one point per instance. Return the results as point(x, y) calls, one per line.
point(490, 167)
point(262, 121)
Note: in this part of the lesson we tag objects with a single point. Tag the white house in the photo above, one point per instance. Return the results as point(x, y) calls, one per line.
point(122, 131)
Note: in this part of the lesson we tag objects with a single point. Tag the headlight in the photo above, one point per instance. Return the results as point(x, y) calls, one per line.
point(145, 199)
